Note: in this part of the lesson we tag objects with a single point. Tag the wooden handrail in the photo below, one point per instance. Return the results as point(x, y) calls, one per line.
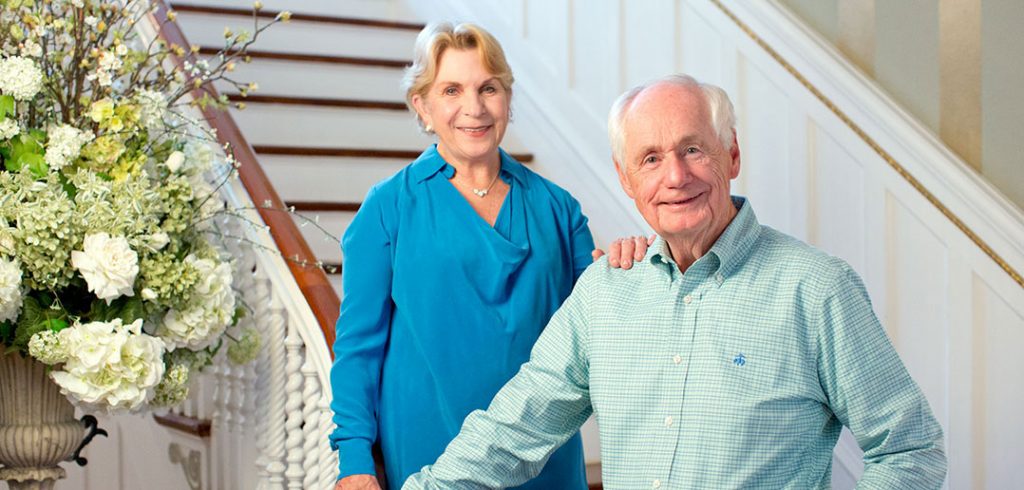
point(312, 280)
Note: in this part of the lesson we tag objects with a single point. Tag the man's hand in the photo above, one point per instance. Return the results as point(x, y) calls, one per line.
point(357, 482)
point(624, 251)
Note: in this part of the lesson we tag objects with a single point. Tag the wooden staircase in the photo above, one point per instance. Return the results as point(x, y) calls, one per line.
point(329, 118)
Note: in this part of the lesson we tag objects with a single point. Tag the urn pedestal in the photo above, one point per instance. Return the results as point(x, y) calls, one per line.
point(38, 428)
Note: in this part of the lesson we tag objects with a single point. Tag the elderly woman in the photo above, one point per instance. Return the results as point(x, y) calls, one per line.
point(452, 268)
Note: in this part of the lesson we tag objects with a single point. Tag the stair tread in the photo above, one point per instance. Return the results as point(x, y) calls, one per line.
point(318, 101)
point(314, 58)
point(355, 152)
point(297, 16)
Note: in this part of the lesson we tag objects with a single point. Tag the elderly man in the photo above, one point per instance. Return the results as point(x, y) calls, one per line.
point(730, 357)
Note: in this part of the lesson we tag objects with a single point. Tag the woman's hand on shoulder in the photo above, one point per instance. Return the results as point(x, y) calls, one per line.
point(624, 251)
point(357, 482)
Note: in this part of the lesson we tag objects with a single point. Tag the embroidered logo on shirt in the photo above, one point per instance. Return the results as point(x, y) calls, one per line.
point(740, 359)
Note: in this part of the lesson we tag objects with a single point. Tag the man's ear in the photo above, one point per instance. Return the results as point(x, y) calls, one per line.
point(734, 153)
point(623, 179)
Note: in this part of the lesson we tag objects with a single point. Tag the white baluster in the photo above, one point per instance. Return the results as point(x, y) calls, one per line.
point(293, 407)
point(328, 458)
point(275, 448)
point(311, 436)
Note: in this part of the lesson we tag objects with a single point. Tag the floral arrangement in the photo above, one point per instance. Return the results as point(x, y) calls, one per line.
point(109, 271)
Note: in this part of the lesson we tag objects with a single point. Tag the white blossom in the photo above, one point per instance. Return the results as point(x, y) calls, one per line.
point(64, 144)
point(110, 365)
point(10, 290)
point(198, 156)
point(108, 264)
point(213, 306)
point(20, 77)
point(152, 108)
point(47, 348)
point(9, 128)
point(31, 48)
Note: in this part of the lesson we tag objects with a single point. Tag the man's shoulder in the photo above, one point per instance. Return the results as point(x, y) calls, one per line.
point(790, 256)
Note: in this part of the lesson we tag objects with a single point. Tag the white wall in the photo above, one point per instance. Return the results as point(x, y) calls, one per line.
point(826, 176)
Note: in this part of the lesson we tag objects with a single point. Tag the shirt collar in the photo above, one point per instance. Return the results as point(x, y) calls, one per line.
point(430, 163)
point(732, 247)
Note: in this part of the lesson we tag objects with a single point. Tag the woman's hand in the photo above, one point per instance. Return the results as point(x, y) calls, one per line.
point(357, 482)
point(624, 251)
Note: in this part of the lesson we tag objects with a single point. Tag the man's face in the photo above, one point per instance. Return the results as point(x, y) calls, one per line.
point(675, 168)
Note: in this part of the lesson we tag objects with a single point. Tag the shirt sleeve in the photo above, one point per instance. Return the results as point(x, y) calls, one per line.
point(581, 240)
point(536, 412)
point(362, 332)
point(870, 391)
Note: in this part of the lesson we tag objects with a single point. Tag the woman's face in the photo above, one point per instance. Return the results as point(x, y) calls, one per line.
point(466, 106)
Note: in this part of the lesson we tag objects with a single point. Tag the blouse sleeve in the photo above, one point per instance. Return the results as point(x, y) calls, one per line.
point(580, 239)
point(362, 332)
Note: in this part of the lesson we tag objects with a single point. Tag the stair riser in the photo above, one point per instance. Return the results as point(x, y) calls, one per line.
point(303, 37)
point(335, 222)
point(393, 10)
point(337, 179)
point(320, 80)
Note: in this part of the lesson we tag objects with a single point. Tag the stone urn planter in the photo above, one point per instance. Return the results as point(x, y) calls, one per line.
point(38, 428)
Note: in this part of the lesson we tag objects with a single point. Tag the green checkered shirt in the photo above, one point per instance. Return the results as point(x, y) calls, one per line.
point(739, 373)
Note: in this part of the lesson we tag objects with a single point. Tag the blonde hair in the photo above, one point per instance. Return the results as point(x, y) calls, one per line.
point(434, 40)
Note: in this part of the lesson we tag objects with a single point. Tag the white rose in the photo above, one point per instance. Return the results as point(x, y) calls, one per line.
point(108, 264)
point(10, 290)
point(175, 161)
point(158, 241)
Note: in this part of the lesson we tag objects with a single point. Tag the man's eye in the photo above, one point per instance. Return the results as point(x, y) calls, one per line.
point(650, 159)
point(692, 149)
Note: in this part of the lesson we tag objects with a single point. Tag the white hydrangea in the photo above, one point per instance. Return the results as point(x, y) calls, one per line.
point(213, 306)
point(198, 156)
point(46, 347)
point(9, 128)
point(64, 144)
point(10, 290)
point(20, 77)
point(110, 365)
point(108, 264)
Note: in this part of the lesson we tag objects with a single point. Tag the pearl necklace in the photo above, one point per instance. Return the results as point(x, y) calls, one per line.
point(483, 192)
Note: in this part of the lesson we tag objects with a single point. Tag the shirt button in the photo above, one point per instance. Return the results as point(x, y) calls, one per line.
point(677, 358)
point(656, 484)
point(668, 421)
point(687, 299)
point(719, 279)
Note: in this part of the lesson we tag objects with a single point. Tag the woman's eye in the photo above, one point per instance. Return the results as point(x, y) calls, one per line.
point(451, 91)
point(489, 89)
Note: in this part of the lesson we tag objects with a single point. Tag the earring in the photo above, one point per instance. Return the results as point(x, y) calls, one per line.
point(428, 128)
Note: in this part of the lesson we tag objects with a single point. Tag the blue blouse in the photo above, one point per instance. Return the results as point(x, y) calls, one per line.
point(440, 309)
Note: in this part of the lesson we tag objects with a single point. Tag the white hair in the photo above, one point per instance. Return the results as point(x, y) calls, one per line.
point(723, 117)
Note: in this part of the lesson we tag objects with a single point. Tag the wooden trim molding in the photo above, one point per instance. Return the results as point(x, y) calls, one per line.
point(324, 206)
point(272, 14)
point(317, 151)
point(311, 280)
point(313, 58)
point(183, 423)
point(319, 102)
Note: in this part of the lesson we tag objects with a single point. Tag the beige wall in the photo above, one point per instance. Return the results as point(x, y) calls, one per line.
point(953, 64)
